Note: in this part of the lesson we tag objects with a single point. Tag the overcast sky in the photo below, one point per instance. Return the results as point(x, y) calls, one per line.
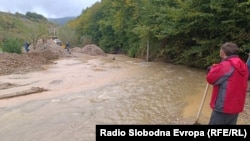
point(47, 8)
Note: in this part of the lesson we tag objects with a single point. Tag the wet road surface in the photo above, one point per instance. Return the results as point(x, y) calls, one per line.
point(87, 90)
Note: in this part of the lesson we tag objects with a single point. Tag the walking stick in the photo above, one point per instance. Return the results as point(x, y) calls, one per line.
point(202, 103)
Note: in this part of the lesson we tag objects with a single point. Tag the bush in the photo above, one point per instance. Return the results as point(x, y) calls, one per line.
point(12, 46)
point(132, 52)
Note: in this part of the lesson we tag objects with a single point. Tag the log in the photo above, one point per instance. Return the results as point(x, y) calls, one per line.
point(32, 90)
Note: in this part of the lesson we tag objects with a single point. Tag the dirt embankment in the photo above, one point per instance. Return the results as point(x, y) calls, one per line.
point(43, 54)
point(35, 60)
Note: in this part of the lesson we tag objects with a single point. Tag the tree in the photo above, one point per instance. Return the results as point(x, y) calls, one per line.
point(67, 34)
point(187, 32)
point(35, 17)
point(35, 32)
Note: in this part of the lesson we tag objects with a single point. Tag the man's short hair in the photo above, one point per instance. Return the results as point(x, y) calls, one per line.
point(230, 48)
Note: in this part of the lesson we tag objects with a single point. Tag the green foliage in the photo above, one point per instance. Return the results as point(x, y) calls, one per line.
point(132, 52)
point(35, 32)
point(85, 40)
point(67, 34)
point(35, 17)
point(10, 27)
point(187, 32)
point(12, 45)
point(29, 27)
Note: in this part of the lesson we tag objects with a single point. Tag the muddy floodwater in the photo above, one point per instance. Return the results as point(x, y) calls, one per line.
point(83, 91)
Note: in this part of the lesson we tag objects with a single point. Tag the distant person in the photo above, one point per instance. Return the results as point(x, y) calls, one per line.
point(229, 79)
point(26, 46)
point(67, 47)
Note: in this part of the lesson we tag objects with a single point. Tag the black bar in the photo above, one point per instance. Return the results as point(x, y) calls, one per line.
point(165, 132)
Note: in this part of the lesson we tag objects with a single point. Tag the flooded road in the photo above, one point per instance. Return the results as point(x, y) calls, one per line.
point(87, 90)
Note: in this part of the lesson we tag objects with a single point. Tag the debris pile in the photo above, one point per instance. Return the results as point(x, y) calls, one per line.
point(39, 55)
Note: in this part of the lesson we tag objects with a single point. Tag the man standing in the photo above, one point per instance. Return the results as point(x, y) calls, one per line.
point(229, 80)
point(26, 46)
point(67, 47)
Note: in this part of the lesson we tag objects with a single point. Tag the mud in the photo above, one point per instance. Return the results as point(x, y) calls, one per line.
point(83, 91)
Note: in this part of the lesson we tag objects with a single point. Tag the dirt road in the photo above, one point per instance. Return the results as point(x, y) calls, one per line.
point(77, 92)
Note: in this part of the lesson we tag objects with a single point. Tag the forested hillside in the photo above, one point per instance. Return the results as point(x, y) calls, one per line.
point(61, 21)
point(187, 32)
point(19, 28)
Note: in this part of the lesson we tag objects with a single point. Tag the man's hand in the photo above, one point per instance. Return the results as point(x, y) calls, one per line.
point(209, 68)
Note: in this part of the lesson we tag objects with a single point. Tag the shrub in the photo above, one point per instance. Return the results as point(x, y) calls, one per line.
point(12, 45)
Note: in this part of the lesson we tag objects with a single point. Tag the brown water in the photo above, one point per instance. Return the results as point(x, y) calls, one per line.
point(86, 91)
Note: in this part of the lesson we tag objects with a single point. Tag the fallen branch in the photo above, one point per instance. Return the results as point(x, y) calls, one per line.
point(32, 90)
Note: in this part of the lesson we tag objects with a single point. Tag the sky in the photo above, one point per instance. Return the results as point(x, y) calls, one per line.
point(47, 8)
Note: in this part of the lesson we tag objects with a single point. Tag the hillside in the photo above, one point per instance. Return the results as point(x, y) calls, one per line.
point(28, 27)
point(61, 21)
